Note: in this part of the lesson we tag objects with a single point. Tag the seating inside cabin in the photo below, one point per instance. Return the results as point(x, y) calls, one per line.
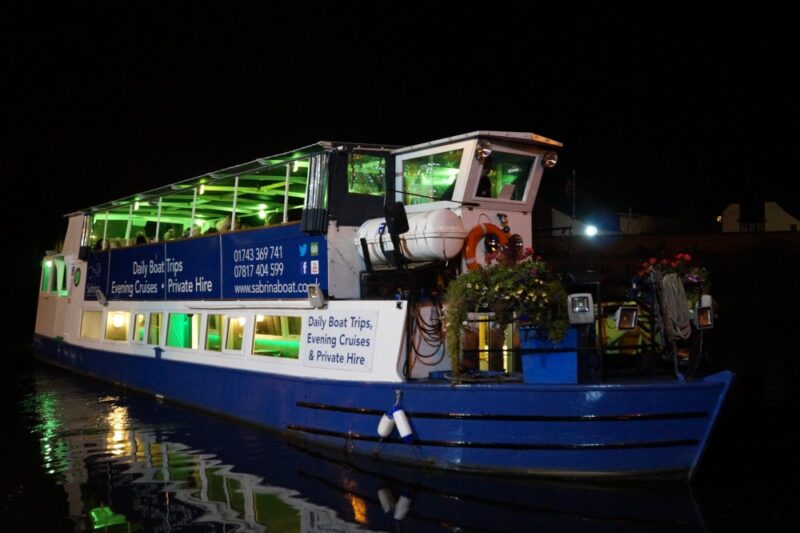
point(268, 196)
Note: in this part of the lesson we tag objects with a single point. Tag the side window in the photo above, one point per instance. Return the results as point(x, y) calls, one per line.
point(91, 324)
point(139, 327)
point(277, 336)
point(214, 333)
point(154, 329)
point(48, 275)
point(183, 330)
point(117, 324)
point(235, 335)
point(505, 176)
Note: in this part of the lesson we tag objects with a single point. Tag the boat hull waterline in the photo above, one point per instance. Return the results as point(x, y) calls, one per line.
point(657, 429)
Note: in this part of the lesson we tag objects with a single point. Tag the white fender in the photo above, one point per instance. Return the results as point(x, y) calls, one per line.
point(401, 510)
point(386, 425)
point(403, 426)
point(386, 498)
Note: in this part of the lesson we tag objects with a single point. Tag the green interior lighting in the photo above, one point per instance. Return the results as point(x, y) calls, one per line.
point(277, 347)
point(103, 517)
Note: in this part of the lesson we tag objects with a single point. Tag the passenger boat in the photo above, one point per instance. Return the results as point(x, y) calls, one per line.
point(305, 292)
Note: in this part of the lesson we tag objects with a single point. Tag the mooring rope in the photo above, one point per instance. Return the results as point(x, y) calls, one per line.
point(676, 305)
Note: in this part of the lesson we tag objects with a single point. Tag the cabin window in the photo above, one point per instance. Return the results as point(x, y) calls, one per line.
point(113, 228)
point(505, 176)
point(431, 177)
point(235, 334)
point(183, 330)
point(54, 276)
point(91, 324)
point(176, 215)
point(117, 324)
point(154, 329)
point(277, 336)
point(48, 275)
point(365, 174)
point(272, 195)
point(214, 333)
point(139, 324)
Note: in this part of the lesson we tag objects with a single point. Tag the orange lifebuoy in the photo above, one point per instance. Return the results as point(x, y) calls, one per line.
point(475, 236)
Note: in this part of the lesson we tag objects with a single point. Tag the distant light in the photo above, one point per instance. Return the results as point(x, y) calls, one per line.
point(48, 263)
point(135, 206)
point(591, 230)
point(241, 321)
point(202, 188)
point(719, 218)
point(296, 165)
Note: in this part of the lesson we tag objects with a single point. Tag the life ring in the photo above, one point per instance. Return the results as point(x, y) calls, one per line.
point(475, 236)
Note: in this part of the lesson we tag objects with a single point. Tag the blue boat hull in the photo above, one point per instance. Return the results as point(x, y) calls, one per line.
point(610, 430)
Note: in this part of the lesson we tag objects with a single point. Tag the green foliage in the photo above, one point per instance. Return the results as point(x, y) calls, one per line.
point(514, 287)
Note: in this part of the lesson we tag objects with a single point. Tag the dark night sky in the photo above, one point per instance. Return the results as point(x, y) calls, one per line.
point(665, 109)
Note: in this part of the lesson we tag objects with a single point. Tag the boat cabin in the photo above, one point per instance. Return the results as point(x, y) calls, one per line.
point(326, 222)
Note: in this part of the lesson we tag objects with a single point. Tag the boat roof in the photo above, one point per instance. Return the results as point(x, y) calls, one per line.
point(243, 168)
point(300, 153)
point(508, 136)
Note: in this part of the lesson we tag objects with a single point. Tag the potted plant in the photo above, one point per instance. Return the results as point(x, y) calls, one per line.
point(514, 285)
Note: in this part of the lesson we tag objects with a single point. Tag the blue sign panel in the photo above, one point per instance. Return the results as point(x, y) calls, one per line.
point(191, 268)
point(137, 273)
point(96, 275)
point(277, 262)
point(268, 263)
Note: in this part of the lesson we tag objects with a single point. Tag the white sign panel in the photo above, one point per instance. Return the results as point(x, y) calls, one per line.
point(340, 340)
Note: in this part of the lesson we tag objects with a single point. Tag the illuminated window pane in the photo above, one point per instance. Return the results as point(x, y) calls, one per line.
point(139, 327)
point(91, 324)
point(365, 174)
point(48, 270)
point(277, 336)
point(176, 214)
point(214, 333)
point(117, 325)
point(505, 176)
point(233, 340)
point(264, 196)
point(154, 330)
point(183, 330)
point(432, 177)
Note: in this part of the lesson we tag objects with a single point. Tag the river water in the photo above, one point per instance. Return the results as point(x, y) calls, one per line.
point(82, 455)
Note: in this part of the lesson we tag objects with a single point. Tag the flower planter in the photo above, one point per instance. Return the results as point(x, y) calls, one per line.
point(545, 362)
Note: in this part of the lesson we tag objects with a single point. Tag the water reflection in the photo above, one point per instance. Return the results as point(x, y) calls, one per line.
point(128, 462)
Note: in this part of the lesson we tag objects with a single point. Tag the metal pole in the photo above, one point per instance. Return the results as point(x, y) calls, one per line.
point(194, 204)
point(286, 194)
point(235, 194)
point(158, 219)
point(128, 227)
point(574, 186)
